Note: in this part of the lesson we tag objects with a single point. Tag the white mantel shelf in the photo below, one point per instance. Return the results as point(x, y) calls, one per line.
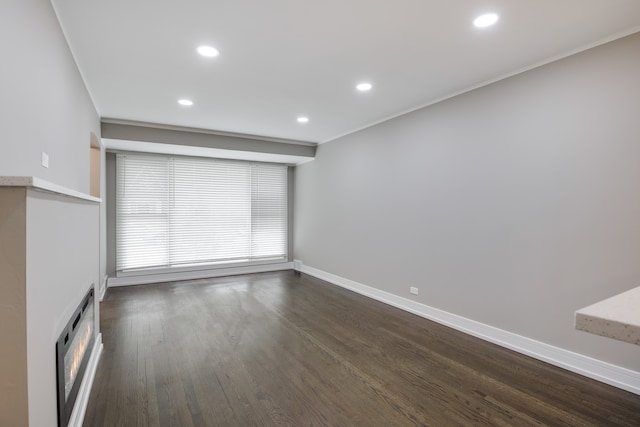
point(46, 186)
point(617, 317)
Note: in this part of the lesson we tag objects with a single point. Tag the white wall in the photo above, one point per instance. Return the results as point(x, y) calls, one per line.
point(512, 205)
point(46, 106)
point(60, 270)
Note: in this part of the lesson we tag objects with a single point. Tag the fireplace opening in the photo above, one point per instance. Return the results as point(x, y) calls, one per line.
point(73, 350)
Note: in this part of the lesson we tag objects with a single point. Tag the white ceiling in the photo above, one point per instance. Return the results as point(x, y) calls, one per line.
point(283, 58)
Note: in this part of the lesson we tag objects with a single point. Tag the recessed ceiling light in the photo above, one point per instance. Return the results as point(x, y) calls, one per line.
point(208, 51)
point(185, 102)
point(485, 20)
point(303, 119)
point(363, 87)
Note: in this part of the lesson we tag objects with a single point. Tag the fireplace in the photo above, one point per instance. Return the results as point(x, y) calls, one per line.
point(73, 351)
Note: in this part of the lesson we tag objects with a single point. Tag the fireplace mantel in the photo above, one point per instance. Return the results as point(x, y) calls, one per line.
point(40, 184)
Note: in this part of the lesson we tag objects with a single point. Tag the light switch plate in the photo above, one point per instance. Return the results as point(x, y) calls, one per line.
point(45, 160)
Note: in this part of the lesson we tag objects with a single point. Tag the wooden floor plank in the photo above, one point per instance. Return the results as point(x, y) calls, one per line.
point(284, 349)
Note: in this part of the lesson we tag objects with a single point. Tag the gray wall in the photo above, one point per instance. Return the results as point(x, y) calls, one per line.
point(512, 205)
point(46, 106)
point(111, 213)
point(199, 138)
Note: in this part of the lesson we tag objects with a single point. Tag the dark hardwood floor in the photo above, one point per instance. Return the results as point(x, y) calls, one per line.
point(287, 349)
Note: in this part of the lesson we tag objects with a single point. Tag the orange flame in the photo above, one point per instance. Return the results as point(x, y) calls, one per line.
point(77, 355)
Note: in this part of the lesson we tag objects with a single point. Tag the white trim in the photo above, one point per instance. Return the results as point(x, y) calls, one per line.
point(39, 184)
point(75, 57)
point(505, 76)
point(80, 407)
point(103, 291)
point(126, 146)
point(198, 274)
point(616, 376)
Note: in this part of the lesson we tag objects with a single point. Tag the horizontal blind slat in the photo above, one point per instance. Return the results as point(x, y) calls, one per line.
point(177, 211)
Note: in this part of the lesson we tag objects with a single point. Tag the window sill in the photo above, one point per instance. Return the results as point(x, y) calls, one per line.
point(147, 276)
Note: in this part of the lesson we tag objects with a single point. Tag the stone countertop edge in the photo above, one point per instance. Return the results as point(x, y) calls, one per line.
point(46, 186)
point(617, 317)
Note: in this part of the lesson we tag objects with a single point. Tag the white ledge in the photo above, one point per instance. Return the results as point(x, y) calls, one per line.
point(42, 185)
point(617, 317)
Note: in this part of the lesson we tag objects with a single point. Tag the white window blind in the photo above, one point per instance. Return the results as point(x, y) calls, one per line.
point(179, 211)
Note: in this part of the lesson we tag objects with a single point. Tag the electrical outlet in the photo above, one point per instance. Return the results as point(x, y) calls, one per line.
point(45, 160)
point(413, 290)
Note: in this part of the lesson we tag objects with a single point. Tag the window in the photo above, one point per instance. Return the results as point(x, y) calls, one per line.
point(181, 211)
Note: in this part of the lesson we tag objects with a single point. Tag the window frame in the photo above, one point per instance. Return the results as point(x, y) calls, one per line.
point(203, 266)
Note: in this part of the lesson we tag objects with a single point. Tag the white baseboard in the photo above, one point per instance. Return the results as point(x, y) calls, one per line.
point(616, 376)
point(104, 286)
point(80, 407)
point(198, 274)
